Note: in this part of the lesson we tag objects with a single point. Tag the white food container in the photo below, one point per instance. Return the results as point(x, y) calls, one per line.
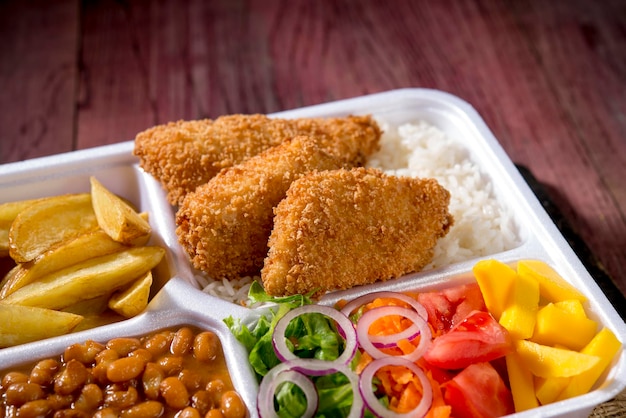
point(179, 301)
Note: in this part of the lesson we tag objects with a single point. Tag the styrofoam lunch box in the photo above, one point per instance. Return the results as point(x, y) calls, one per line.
point(178, 301)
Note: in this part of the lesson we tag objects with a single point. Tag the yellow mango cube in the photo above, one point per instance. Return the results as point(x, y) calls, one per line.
point(521, 382)
point(573, 306)
point(552, 286)
point(520, 312)
point(605, 346)
point(548, 389)
point(556, 326)
point(545, 361)
point(495, 280)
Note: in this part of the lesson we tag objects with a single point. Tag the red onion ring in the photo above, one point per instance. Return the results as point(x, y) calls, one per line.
point(388, 341)
point(292, 371)
point(273, 379)
point(372, 315)
point(316, 366)
point(362, 300)
point(365, 386)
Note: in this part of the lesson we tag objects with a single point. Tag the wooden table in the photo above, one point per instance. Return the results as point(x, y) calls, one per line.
point(548, 77)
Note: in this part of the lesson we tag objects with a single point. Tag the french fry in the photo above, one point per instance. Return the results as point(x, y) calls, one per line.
point(75, 250)
point(116, 217)
point(8, 213)
point(133, 300)
point(88, 279)
point(43, 224)
point(89, 307)
point(8, 277)
point(23, 324)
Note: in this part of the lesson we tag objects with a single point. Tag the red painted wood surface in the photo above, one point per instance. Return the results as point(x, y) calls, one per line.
point(548, 77)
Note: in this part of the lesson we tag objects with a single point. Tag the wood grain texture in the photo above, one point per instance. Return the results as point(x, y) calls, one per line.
point(38, 71)
point(548, 77)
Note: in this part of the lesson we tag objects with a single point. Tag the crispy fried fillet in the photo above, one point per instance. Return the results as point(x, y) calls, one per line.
point(342, 228)
point(183, 155)
point(224, 224)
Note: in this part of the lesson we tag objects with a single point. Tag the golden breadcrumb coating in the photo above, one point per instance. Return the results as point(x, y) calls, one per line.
point(186, 154)
point(224, 225)
point(342, 228)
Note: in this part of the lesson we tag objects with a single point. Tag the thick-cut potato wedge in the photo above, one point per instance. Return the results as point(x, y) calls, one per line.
point(75, 250)
point(116, 217)
point(133, 300)
point(23, 324)
point(44, 224)
point(8, 213)
point(6, 280)
point(89, 307)
point(89, 279)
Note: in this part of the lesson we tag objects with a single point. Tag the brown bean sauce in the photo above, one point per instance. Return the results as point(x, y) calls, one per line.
point(173, 372)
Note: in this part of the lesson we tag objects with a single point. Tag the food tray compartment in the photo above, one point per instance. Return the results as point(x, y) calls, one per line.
point(116, 168)
point(177, 304)
point(178, 300)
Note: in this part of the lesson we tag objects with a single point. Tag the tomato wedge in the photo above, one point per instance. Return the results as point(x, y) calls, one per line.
point(477, 338)
point(478, 392)
point(448, 307)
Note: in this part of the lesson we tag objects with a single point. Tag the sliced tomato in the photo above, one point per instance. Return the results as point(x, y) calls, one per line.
point(477, 338)
point(448, 307)
point(478, 392)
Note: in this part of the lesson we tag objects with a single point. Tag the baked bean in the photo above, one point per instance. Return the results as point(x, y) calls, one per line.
point(206, 346)
point(71, 413)
point(44, 371)
point(171, 365)
point(103, 359)
point(174, 393)
point(117, 396)
point(19, 393)
point(85, 353)
point(171, 373)
point(106, 356)
point(34, 409)
point(189, 412)
point(90, 398)
point(158, 344)
point(232, 405)
point(145, 409)
point(125, 368)
point(106, 413)
point(58, 402)
point(123, 346)
point(202, 400)
point(214, 413)
point(71, 378)
point(182, 343)
point(192, 379)
point(215, 388)
point(142, 353)
point(151, 380)
point(13, 377)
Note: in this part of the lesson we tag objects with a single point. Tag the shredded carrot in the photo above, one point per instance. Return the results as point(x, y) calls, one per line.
point(438, 409)
point(409, 399)
point(364, 360)
point(403, 389)
point(406, 346)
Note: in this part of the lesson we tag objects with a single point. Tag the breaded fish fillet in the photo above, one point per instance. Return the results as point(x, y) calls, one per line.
point(224, 224)
point(342, 228)
point(185, 154)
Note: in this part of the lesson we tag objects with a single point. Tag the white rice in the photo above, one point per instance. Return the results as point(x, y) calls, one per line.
point(482, 225)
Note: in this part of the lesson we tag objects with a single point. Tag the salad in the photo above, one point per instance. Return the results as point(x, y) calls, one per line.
point(457, 352)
